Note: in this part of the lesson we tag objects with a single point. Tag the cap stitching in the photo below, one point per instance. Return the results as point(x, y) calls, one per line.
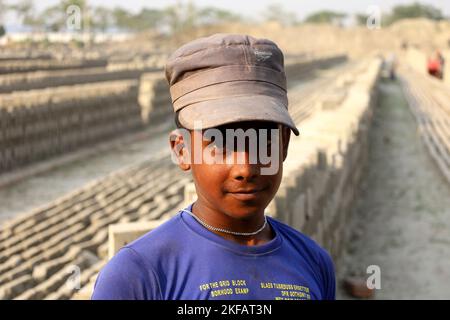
point(222, 46)
point(245, 55)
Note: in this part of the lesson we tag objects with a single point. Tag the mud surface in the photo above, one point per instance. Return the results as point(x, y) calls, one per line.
point(401, 222)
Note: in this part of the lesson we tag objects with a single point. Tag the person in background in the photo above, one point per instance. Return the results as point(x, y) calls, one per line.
point(435, 65)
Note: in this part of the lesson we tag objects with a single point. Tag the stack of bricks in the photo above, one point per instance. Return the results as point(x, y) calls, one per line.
point(42, 123)
point(20, 65)
point(42, 251)
point(428, 100)
point(296, 70)
point(325, 164)
point(45, 79)
point(154, 97)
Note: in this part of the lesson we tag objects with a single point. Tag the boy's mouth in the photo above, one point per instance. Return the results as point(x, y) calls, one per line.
point(247, 194)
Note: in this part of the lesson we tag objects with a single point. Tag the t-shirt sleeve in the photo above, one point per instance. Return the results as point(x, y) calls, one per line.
point(328, 276)
point(125, 277)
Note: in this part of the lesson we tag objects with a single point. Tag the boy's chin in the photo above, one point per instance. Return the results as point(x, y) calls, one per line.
point(245, 209)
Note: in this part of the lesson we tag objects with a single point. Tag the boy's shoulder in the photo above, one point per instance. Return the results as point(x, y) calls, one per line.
point(132, 273)
point(160, 238)
point(303, 243)
point(320, 259)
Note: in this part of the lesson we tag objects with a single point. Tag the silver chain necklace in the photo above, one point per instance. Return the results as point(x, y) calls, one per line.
point(227, 231)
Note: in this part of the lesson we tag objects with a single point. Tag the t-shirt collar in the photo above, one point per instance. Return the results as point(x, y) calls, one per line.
point(202, 231)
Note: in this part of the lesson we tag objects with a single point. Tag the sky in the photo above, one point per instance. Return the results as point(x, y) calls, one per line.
point(254, 8)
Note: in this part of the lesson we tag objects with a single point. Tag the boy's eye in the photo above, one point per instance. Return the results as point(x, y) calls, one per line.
point(219, 149)
point(222, 146)
point(215, 146)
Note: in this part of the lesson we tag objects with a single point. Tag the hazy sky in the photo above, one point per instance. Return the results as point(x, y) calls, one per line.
point(253, 8)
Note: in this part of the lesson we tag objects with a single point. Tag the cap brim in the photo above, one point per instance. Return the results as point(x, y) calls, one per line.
point(214, 113)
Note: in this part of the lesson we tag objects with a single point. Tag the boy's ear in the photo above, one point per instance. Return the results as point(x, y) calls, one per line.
point(286, 137)
point(180, 153)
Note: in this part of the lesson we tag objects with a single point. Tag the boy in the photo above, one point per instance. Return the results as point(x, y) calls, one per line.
point(222, 246)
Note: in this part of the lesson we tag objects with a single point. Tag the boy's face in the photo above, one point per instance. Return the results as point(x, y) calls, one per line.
point(241, 185)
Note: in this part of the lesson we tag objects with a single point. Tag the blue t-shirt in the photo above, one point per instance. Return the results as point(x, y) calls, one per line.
point(183, 260)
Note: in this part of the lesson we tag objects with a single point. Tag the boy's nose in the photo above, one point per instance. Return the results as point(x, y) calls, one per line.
point(243, 168)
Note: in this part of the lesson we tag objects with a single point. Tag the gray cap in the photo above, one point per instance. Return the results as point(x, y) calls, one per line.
point(227, 78)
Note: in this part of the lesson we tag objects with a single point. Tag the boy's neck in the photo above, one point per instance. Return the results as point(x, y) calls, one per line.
point(220, 220)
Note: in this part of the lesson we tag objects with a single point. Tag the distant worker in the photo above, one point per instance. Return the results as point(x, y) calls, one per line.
point(435, 65)
point(391, 63)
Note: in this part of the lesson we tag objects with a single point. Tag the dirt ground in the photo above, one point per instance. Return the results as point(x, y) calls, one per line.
point(402, 219)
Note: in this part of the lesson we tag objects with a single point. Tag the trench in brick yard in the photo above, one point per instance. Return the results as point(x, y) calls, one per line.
point(401, 219)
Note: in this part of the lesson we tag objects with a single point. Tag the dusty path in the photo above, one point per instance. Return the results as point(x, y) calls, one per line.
point(402, 220)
